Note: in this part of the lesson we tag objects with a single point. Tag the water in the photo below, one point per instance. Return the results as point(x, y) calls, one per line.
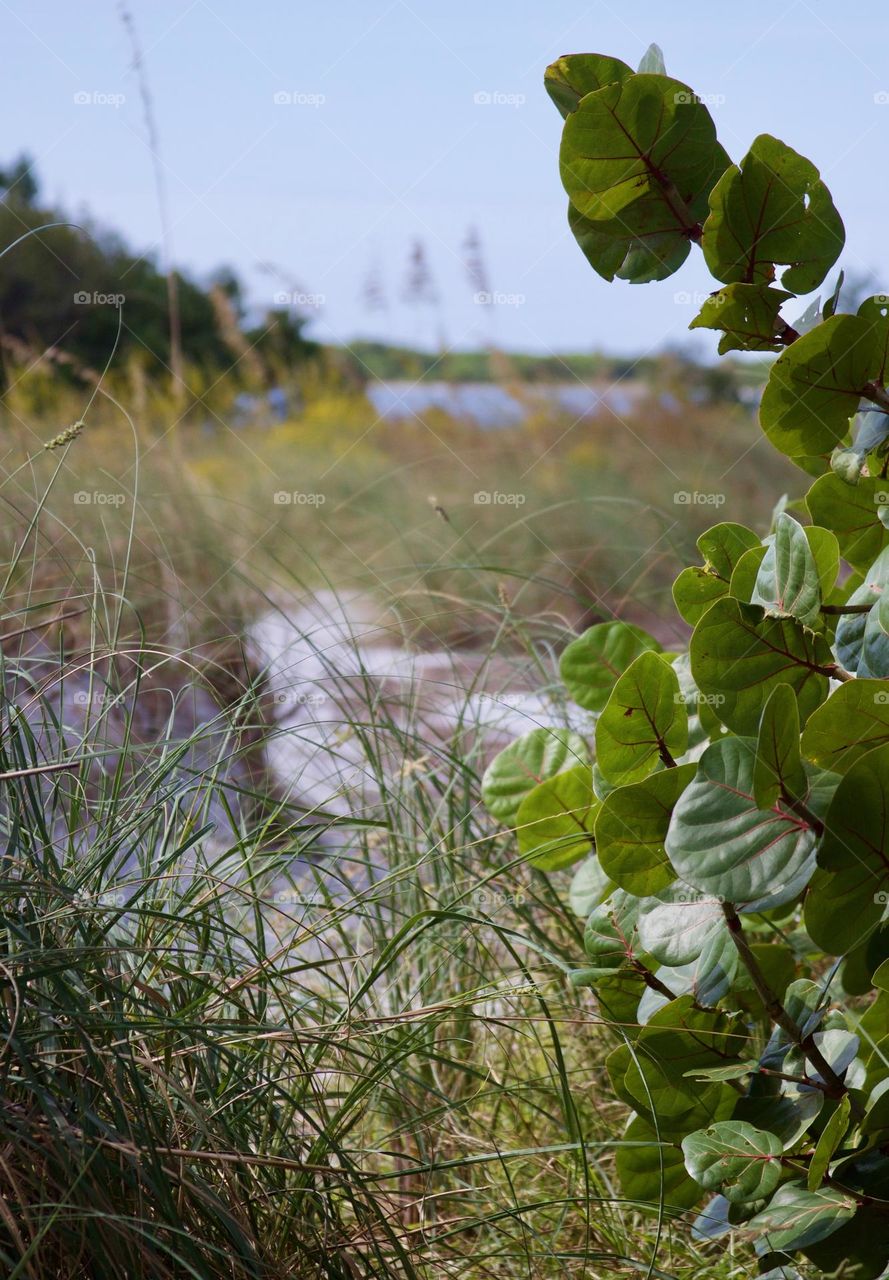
point(491, 405)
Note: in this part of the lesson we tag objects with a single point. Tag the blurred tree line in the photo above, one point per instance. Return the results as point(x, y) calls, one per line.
point(62, 289)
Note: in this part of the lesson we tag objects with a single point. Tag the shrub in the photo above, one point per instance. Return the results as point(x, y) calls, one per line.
point(735, 823)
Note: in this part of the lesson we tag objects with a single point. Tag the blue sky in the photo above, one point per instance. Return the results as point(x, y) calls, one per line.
point(385, 140)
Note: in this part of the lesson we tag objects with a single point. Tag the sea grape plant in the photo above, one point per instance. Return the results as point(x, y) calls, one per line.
point(732, 813)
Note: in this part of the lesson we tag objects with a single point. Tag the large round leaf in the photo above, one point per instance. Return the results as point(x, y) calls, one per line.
point(874, 659)
point(631, 827)
point(572, 77)
point(851, 512)
point(642, 156)
point(797, 1217)
point(770, 210)
point(610, 938)
point(849, 895)
point(697, 587)
point(680, 923)
point(746, 315)
point(555, 820)
point(788, 583)
point(858, 640)
point(853, 721)
point(731, 1156)
point(739, 655)
point(778, 772)
point(524, 764)
point(651, 1077)
point(589, 887)
point(721, 842)
point(643, 722)
point(591, 664)
point(815, 386)
point(652, 1172)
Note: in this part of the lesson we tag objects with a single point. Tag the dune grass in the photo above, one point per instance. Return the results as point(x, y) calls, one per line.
point(226, 1050)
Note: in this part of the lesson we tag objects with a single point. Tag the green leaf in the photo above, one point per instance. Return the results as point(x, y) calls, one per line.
point(736, 1071)
point(825, 551)
point(874, 659)
point(815, 386)
point(640, 157)
point(721, 548)
point(555, 820)
point(735, 1158)
point(639, 260)
point(776, 962)
point(631, 826)
point(677, 1039)
point(591, 664)
point(653, 60)
point(797, 1217)
point(747, 315)
point(859, 642)
point(851, 895)
point(652, 1172)
point(841, 908)
point(772, 209)
point(609, 937)
point(857, 822)
point(831, 1136)
point(778, 772)
point(853, 720)
point(618, 995)
point(739, 655)
point(571, 78)
point(589, 887)
point(787, 1118)
point(787, 584)
point(680, 924)
point(643, 722)
point(859, 1250)
point(524, 764)
point(743, 580)
point(721, 842)
point(852, 514)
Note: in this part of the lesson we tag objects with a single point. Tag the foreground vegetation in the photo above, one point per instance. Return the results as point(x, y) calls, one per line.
point(213, 1065)
point(246, 1035)
point(737, 803)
